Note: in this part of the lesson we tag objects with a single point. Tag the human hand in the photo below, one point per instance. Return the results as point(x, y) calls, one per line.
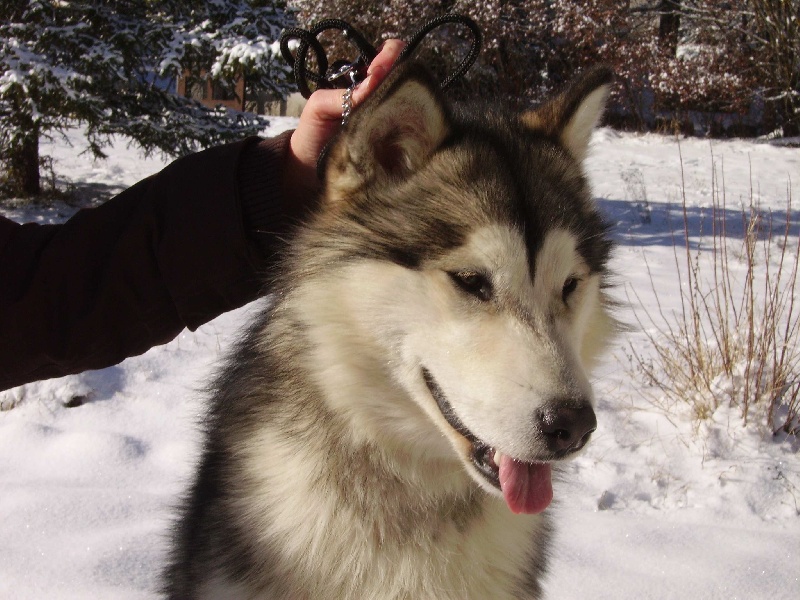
point(322, 117)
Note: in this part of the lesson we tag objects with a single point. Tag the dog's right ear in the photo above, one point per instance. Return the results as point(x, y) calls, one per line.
point(572, 115)
point(390, 136)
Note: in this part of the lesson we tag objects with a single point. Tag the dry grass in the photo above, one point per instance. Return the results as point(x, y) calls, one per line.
point(736, 336)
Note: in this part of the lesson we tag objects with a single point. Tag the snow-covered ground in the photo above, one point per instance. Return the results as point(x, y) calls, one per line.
point(651, 510)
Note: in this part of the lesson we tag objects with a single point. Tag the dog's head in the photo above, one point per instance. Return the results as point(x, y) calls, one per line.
point(467, 248)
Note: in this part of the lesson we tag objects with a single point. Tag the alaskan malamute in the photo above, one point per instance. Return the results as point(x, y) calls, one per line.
point(387, 428)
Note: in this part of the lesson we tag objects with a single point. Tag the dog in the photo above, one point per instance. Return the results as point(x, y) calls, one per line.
point(388, 426)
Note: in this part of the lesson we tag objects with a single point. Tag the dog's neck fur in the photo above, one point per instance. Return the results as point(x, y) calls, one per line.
point(360, 514)
point(361, 408)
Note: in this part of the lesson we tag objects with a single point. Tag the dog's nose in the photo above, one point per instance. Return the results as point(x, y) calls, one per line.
point(566, 426)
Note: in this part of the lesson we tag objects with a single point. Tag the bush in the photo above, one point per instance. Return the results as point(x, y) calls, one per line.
point(736, 337)
point(716, 66)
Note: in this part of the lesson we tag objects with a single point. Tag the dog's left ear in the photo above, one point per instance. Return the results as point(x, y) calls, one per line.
point(390, 136)
point(572, 115)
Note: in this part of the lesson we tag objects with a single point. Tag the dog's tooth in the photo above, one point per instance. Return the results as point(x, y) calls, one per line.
point(497, 457)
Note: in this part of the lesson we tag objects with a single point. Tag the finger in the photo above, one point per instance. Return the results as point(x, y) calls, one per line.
point(389, 52)
point(378, 69)
point(366, 87)
point(325, 105)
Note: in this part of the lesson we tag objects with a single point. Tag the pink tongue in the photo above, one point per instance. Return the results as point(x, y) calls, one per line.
point(526, 487)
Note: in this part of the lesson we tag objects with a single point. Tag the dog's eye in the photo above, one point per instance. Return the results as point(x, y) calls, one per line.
point(570, 286)
point(473, 283)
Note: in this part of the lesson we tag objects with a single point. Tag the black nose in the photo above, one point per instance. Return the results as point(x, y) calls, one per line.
point(567, 425)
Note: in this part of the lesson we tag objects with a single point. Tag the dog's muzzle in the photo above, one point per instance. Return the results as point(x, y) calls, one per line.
point(562, 428)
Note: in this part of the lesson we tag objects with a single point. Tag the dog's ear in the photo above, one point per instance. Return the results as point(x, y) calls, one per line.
point(572, 115)
point(390, 136)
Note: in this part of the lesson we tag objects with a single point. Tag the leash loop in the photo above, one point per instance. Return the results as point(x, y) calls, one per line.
point(346, 75)
point(435, 23)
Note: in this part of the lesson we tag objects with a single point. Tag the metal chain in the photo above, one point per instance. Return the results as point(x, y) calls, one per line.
point(347, 102)
point(354, 71)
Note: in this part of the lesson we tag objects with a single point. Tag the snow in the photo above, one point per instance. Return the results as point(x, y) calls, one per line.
point(657, 507)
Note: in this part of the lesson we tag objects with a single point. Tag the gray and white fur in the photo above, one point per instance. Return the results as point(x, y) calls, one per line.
point(435, 318)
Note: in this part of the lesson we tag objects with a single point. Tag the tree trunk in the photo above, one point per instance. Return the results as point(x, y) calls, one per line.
point(669, 24)
point(23, 164)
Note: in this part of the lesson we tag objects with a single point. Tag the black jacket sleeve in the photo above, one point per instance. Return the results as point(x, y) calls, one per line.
point(173, 251)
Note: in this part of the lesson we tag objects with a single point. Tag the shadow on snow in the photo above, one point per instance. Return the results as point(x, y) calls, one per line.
point(659, 224)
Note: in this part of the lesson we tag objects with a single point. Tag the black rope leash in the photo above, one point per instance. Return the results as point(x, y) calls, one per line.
point(468, 60)
point(346, 75)
point(343, 74)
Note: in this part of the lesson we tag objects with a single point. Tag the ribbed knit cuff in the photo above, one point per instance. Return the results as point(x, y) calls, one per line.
point(261, 174)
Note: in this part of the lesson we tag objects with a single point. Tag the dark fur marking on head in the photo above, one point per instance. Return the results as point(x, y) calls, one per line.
point(542, 186)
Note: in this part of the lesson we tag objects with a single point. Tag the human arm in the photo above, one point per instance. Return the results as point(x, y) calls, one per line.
point(168, 253)
point(173, 251)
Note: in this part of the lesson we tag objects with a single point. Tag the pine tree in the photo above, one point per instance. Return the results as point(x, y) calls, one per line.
point(110, 66)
